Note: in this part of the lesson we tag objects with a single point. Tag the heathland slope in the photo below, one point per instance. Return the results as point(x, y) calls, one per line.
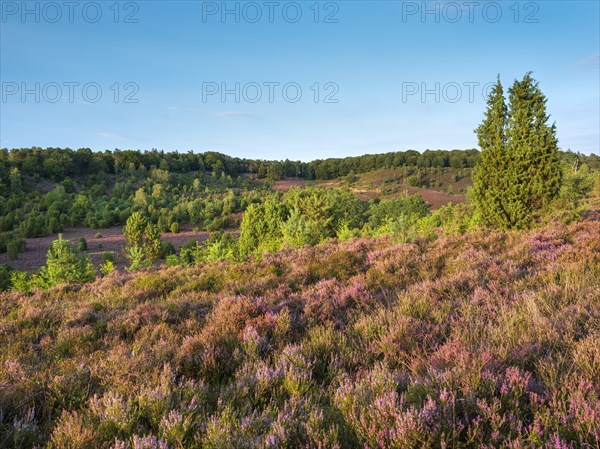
point(487, 339)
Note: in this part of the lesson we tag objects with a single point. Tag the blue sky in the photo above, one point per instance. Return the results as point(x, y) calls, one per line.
point(370, 60)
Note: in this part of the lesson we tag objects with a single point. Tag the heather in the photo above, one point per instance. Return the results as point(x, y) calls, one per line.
point(485, 339)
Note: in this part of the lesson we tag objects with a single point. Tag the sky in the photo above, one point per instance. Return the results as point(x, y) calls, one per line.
point(288, 80)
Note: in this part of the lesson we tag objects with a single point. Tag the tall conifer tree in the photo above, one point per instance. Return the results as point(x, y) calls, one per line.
point(489, 177)
point(519, 173)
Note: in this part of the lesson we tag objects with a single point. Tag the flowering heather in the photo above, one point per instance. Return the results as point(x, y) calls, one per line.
point(484, 340)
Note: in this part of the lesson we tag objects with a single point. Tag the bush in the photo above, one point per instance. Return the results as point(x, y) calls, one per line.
point(12, 245)
point(143, 241)
point(98, 235)
point(20, 281)
point(107, 267)
point(413, 181)
point(12, 249)
point(166, 249)
point(172, 260)
point(217, 224)
point(5, 277)
point(82, 244)
point(63, 265)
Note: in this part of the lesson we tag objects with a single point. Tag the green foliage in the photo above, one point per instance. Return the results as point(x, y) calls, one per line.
point(300, 217)
point(82, 244)
point(578, 184)
point(219, 246)
point(519, 174)
point(217, 224)
point(219, 250)
point(137, 256)
point(133, 232)
point(406, 210)
point(172, 260)
point(298, 230)
point(101, 189)
point(5, 277)
point(175, 227)
point(188, 253)
point(12, 245)
point(345, 232)
point(20, 281)
point(413, 181)
point(143, 241)
point(166, 249)
point(261, 226)
point(12, 249)
point(107, 267)
point(64, 265)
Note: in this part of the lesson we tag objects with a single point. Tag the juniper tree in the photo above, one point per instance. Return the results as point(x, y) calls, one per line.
point(489, 177)
point(64, 265)
point(143, 241)
point(519, 173)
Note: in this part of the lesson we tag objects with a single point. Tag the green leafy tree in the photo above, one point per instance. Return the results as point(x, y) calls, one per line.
point(133, 232)
point(143, 241)
point(152, 243)
point(298, 231)
point(12, 250)
point(519, 173)
point(5, 277)
point(64, 265)
point(406, 210)
point(137, 257)
point(490, 176)
point(15, 180)
point(107, 267)
point(261, 226)
point(82, 244)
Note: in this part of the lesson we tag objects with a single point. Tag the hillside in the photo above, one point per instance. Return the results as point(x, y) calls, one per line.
point(84, 194)
point(486, 339)
point(437, 186)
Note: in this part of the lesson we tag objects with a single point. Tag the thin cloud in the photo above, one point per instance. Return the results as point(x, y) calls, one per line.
point(231, 114)
point(180, 109)
point(590, 61)
point(109, 135)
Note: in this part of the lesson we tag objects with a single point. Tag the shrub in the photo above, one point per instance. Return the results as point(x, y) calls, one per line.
point(64, 265)
point(82, 244)
point(172, 260)
point(175, 227)
point(474, 340)
point(143, 241)
point(217, 224)
point(340, 265)
point(12, 249)
point(5, 277)
point(166, 249)
point(20, 281)
point(107, 267)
